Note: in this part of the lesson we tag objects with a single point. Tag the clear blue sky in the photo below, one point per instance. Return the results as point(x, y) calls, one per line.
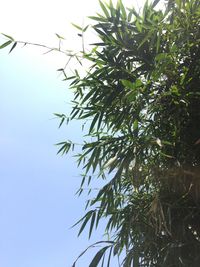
point(37, 187)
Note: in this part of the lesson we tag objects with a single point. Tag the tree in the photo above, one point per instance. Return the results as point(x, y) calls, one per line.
point(140, 97)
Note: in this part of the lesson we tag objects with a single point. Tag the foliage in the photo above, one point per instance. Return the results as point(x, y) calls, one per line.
point(141, 99)
point(142, 95)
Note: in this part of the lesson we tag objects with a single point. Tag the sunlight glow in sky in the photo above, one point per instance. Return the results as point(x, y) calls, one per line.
point(38, 21)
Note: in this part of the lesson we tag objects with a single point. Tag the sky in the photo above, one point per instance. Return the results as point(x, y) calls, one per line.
point(37, 187)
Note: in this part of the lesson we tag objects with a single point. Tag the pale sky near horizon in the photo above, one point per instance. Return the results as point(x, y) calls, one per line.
point(37, 187)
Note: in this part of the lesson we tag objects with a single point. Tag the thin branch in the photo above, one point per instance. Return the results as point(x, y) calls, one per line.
point(67, 53)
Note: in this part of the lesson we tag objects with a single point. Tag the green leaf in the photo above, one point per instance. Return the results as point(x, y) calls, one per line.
point(87, 218)
point(128, 84)
point(14, 45)
point(104, 9)
point(158, 40)
point(135, 125)
point(123, 11)
point(138, 83)
point(155, 2)
point(9, 37)
point(130, 14)
point(62, 118)
point(61, 121)
point(6, 44)
point(100, 120)
point(93, 122)
point(65, 146)
point(98, 257)
point(59, 36)
point(112, 9)
point(91, 246)
point(134, 12)
point(138, 25)
point(100, 19)
point(146, 38)
point(92, 223)
point(109, 257)
point(77, 27)
point(85, 29)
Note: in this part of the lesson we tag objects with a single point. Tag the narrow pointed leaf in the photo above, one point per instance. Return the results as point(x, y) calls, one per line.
point(8, 36)
point(14, 45)
point(6, 44)
point(98, 257)
point(77, 27)
point(104, 9)
point(92, 223)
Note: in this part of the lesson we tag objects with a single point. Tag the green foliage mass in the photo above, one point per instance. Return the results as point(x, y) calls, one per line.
point(141, 96)
point(141, 99)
